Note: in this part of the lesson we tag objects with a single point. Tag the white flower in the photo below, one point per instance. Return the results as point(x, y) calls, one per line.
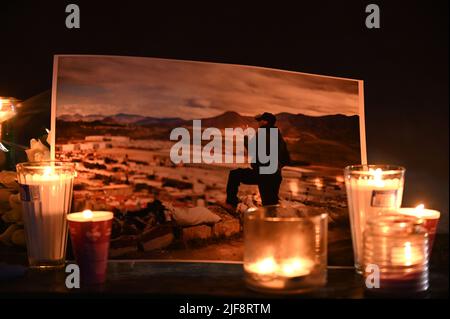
point(38, 151)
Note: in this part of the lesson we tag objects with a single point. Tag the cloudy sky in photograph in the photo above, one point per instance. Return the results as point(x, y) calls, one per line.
point(191, 90)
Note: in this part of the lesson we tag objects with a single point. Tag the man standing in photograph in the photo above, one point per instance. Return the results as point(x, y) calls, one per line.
point(268, 184)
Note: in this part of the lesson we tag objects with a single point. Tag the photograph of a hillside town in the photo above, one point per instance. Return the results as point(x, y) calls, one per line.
point(114, 118)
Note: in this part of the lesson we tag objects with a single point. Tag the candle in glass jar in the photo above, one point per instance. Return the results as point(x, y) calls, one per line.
point(398, 245)
point(46, 193)
point(370, 189)
point(430, 219)
point(285, 249)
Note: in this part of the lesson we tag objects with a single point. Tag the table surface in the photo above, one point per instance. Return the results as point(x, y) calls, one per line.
point(178, 279)
point(202, 279)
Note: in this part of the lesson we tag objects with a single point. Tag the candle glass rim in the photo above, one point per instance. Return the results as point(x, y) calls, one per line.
point(368, 169)
point(109, 214)
point(414, 225)
point(422, 213)
point(253, 214)
point(37, 165)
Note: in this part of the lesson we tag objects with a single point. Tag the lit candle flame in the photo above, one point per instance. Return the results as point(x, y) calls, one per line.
point(288, 268)
point(266, 266)
point(420, 212)
point(47, 171)
point(377, 176)
point(294, 267)
point(407, 254)
point(87, 214)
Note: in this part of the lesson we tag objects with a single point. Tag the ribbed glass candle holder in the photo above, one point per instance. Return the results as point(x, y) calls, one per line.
point(397, 247)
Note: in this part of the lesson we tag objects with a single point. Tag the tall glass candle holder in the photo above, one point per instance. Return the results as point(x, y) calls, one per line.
point(285, 249)
point(46, 195)
point(398, 246)
point(370, 189)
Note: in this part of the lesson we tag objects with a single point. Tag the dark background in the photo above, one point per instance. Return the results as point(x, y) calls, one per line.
point(404, 64)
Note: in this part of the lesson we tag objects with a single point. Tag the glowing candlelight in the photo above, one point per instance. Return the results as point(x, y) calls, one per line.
point(90, 216)
point(294, 267)
point(420, 212)
point(87, 214)
point(265, 266)
point(48, 175)
point(430, 218)
point(407, 255)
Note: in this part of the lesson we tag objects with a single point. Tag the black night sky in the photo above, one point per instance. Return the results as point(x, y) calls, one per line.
point(404, 64)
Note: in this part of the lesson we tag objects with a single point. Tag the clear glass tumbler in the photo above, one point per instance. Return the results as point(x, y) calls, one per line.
point(46, 194)
point(285, 249)
point(370, 190)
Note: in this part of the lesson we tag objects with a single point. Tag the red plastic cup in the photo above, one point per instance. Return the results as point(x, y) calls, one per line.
point(90, 233)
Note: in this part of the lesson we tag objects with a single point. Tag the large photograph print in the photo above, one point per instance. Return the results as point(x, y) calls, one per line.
point(114, 117)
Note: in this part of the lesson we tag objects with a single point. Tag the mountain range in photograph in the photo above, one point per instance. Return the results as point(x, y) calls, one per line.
point(330, 140)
